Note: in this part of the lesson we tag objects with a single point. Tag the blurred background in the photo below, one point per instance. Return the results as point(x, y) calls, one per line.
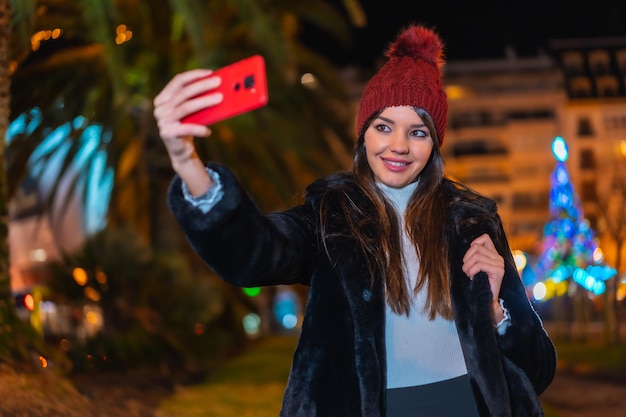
point(100, 272)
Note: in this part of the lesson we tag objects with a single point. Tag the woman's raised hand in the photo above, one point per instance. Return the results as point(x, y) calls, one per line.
point(179, 98)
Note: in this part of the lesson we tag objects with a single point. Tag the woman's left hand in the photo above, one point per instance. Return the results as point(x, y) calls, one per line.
point(483, 256)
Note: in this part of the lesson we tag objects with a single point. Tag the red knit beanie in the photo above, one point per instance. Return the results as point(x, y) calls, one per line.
point(410, 77)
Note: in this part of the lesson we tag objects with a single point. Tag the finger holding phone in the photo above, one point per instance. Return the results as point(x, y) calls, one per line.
point(187, 93)
point(196, 99)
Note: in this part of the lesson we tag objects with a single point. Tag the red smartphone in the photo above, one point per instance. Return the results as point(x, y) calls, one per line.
point(244, 87)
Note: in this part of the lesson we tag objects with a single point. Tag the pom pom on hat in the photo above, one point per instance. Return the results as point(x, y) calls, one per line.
point(410, 77)
point(418, 42)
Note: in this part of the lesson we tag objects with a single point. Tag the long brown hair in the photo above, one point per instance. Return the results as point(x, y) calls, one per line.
point(424, 219)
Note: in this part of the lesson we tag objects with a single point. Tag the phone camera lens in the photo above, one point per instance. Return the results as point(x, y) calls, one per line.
point(248, 82)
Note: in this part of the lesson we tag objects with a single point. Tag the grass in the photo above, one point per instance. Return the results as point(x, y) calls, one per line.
point(252, 384)
point(587, 358)
point(592, 356)
point(551, 412)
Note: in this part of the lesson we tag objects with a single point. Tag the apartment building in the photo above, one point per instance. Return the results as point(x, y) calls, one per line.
point(504, 114)
point(503, 117)
point(594, 73)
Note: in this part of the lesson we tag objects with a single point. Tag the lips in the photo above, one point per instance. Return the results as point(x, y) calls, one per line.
point(395, 165)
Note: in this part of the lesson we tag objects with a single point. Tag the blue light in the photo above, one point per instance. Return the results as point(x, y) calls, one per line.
point(289, 321)
point(569, 242)
point(562, 177)
point(286, 308)
point(561, 273)
point(52, 141)
point(99, 188)
point(599, 288)
point(48, 163)
point(528, 275)
point(24, 124)
point(89, 140)
point(602, 272)
point(592, 283)
point(49, 170)
point(559, 149)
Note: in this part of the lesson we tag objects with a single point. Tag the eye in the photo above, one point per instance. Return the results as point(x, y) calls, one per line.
point(381, 127)
point(420, 133)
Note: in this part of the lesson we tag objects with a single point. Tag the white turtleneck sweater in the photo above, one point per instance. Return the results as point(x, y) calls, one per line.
point(419, 351)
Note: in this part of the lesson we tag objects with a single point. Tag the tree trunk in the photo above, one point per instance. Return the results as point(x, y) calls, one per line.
point(610, 317)
point(611, 320)
point(15, 334)
point(611, 309)
point(582, 314)
point(615, 285)
point(7, 304)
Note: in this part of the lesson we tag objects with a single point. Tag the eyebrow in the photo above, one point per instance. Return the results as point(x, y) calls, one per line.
point(393, 122)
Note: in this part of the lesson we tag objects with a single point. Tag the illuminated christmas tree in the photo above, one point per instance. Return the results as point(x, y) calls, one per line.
point(569, 251)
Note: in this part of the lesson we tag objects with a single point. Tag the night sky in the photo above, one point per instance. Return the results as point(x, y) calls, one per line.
point(477, 29)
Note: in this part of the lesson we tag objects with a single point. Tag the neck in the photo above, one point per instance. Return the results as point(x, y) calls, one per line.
point(398, 196)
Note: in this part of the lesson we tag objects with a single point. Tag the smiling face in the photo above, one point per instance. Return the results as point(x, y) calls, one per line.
point(398, 146)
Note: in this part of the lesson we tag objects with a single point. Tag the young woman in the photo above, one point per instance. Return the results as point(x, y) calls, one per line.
point(415, 307)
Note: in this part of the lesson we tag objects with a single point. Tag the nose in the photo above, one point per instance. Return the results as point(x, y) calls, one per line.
point(399, 143)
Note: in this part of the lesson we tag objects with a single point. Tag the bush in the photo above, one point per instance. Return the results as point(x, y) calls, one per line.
point(155, 313)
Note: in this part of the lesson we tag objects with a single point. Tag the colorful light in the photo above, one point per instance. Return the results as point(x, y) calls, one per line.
point(29, 302)
point(252, 291)
point(252, 324)
point(520, 259)
point(569, 248)
point(559, 149)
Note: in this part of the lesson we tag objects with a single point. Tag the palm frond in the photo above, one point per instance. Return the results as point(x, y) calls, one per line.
point(23, 22)
point(301, 134)
point(326, 18)
point(190, 14)
point(100, 16)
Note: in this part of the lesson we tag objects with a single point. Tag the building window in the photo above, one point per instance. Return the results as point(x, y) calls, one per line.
point(574, 63)
point(585, 127)
point(486, 175)
point(478, 147)
point(526, 201)
point(580, 87)
point(474, 119)
point(587, 159)
point(531, 114)
point(599, 61)
point(621, 61)
point(615, 123)
point(607, 86)
point(526, 227)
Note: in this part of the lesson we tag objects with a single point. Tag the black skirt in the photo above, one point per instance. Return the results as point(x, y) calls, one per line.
point(449, 398)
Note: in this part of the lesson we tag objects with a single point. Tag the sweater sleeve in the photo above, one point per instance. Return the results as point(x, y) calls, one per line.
point(208, 200)
point(506, 321)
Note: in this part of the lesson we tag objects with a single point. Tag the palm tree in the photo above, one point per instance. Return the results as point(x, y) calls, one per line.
point(81, 102)
point(7, 311)
point(86, 74)
point(16, 337)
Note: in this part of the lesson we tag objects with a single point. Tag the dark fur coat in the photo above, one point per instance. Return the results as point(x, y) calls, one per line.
point(339, 365)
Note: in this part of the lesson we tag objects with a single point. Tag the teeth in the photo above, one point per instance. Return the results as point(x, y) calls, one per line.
point(397, 164)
